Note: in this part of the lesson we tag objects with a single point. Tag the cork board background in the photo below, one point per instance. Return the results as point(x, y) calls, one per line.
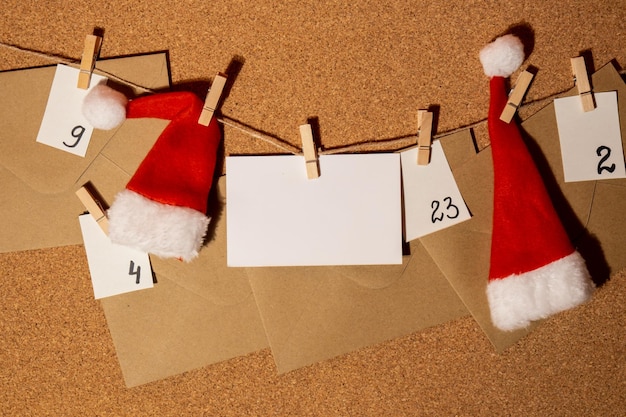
point(362, 69)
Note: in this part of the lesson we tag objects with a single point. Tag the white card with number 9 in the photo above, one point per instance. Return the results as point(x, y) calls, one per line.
point(63, 125)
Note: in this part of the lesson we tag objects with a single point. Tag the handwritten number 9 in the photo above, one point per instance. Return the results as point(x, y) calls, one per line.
point(77, 133)
point(607, 154)
point(451, 211)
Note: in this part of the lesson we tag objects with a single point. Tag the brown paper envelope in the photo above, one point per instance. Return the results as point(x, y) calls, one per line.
point(592, 211)
point(462, 251)
point(198, 313)
point(23, 98)
point(315, 313)
point(39, 208)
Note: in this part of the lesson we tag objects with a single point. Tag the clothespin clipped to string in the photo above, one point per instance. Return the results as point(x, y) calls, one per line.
point(88, 60)
point(424, 138)
point(310, 151)
point(516, 96)
point(581, 79)
point(93, 205)
point(212, 99)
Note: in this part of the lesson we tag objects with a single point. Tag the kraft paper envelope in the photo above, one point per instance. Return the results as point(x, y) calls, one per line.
point(39, 208)
point(197, 313)
point(311, 314)
point(594, 221)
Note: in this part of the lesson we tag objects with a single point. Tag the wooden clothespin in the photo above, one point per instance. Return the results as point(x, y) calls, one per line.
point(88, 60)
point(94, 207)
point(212, 99)
point(424, 138)
point(310, 152)
point(516, 96)
point(581, 79)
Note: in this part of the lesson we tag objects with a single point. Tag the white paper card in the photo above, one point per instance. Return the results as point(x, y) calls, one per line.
point(432, 200)
point(591, 143)
point(63, 125)
point(350, 215)
point(114, 269)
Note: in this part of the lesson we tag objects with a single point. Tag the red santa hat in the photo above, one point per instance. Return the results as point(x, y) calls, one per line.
point(163, 208)
point(534, 271)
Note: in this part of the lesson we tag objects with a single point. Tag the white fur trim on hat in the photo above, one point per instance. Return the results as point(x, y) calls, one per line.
point(502, 56)
point(104, 108)
point(160, 229)
point(517, 300)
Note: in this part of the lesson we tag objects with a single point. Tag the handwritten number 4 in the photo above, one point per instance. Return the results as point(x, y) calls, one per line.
point(452, 211)
point(133, 271)
point(607, 154)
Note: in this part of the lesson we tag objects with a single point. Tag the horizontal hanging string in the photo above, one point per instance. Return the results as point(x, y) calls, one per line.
point(393, 144)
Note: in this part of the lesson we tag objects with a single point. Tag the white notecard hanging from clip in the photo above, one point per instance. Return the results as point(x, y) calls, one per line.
point(114, 269)
point(432, 200)
point(63, 125)
point(591, 142)
point(350, 215)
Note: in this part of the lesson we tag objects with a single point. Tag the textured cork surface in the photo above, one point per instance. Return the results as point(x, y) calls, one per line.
point(362, 69)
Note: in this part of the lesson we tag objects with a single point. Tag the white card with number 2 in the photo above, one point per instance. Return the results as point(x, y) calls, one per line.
point(114, 269)
point(591, 142)
point(63, 125)
point(432, 200)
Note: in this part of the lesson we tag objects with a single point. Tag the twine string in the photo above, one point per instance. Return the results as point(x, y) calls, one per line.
point(397, 142)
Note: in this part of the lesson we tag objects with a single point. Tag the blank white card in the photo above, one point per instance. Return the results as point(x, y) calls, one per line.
point(350, 215)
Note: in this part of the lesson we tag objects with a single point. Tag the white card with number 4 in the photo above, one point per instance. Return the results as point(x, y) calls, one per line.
point(432, 200)
point(591, 142)
point(63, 125)
point(114, 269)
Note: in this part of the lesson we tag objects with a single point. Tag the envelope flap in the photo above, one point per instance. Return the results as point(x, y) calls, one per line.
point(372, 276)
point(136, 134)
point(207, 275)
point(312, 314)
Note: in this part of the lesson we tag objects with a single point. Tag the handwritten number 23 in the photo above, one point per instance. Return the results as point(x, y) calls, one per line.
point(451, 211)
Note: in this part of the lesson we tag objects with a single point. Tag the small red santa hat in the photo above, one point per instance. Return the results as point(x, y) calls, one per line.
point(534, 271)
point(163, 208)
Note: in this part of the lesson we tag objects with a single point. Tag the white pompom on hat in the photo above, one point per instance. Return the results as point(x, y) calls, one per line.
point(104, 108)
point(503, 56)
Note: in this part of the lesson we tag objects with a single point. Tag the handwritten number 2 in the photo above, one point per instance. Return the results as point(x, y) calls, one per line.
point(133, 271)
point(607, 154)
point(451, 211)
point(77, 133)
